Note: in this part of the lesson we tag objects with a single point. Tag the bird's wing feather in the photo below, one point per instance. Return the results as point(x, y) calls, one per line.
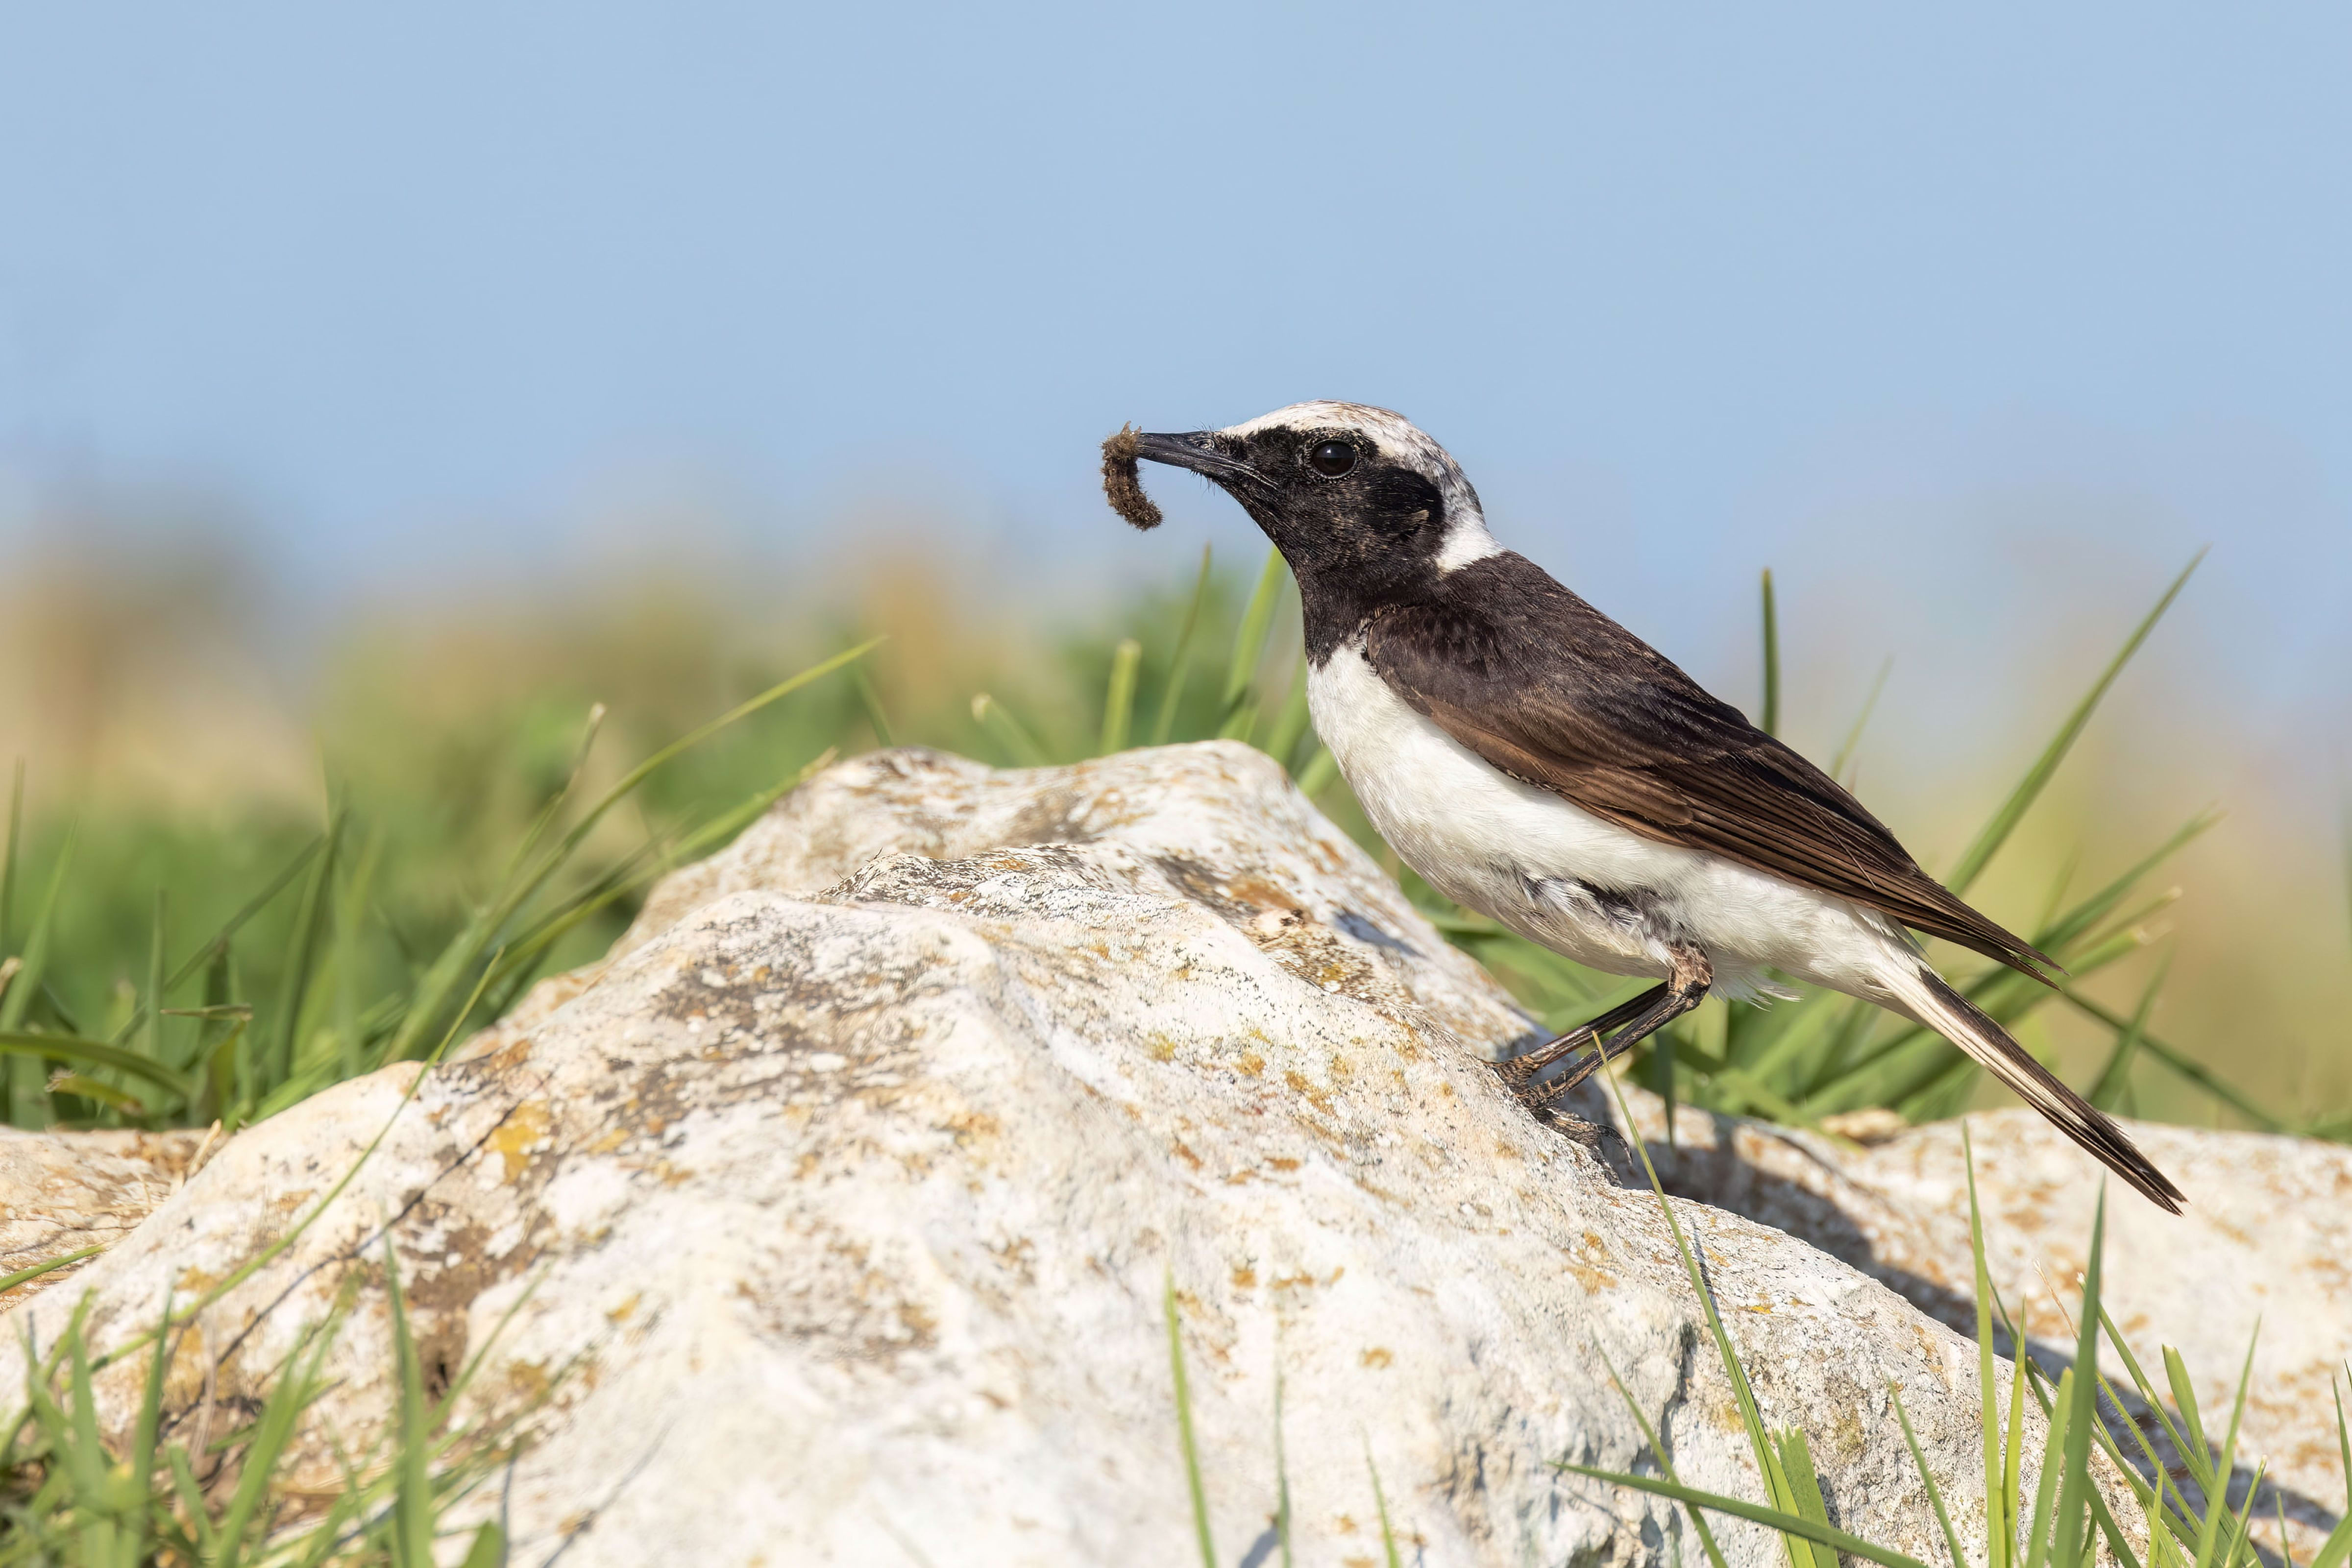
point(1545, 687)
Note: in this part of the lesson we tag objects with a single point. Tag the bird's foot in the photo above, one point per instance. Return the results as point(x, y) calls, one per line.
point(1521, 1072)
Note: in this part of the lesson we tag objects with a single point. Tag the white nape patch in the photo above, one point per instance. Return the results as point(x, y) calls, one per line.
point(1466, 539)
point(1491, 842)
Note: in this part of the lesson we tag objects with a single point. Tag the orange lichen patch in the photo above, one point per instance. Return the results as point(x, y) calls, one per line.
point(1159, 1048)
point(1377, 1358)
point(623, 1312)
point(1244, 1278)
point(524, 1129)
point(1584, 1266)
point(529, 1380)
point(1316, 1097)
point(1280, 1164)
point(1251, 1064)
point(1185, 1153)
point(1259, 893)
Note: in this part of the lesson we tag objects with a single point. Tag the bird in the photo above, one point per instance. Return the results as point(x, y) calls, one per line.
point(1536, 762)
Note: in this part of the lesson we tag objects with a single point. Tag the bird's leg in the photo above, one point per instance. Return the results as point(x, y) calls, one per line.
point(1686, 987)
point(1520, 1069)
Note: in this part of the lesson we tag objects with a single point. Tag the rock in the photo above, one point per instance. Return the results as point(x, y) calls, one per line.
point(61, 1192)
point(829, 1221)
point(2267, 1240)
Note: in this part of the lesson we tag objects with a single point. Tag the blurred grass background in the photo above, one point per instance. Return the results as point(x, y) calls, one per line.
point(173, 769)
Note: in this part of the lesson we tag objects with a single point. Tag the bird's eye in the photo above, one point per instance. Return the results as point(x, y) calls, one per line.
point(1331, 459)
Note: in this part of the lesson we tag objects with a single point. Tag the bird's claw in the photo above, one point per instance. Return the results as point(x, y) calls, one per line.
point(1521, 1072)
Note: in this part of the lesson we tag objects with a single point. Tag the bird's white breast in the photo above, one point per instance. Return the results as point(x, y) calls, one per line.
point(1494, 843)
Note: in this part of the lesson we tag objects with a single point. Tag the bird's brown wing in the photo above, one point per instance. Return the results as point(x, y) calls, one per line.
point(1549, 690)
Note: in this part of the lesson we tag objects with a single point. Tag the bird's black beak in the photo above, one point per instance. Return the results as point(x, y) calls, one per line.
point(1196, 450)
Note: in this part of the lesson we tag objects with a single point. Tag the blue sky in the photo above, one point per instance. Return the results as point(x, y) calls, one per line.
point(1869, 292)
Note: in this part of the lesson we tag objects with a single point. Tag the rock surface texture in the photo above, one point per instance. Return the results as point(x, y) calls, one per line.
point(63, 1192)
point(2266, 1242)
point(829, 1221)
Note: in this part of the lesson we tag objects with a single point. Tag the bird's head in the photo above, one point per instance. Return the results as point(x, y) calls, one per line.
point(1343, 490)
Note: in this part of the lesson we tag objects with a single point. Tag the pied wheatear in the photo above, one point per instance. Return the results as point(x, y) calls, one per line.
point(1539, 764)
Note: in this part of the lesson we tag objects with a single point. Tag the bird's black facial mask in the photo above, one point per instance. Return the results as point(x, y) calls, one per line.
point(1331, 498)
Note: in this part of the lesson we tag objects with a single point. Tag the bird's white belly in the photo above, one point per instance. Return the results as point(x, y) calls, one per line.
point(1532, 860)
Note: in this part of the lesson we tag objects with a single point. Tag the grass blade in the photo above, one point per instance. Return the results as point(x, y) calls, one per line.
point(2184, 1064)
point(1658, 1451)
point(1249, 637)
point(47, 1265)
point(877, 717)
point(1767, 1460)
point(8, 861)
point(441, 982)
point(1388, 1530)
point(1789, 1525)
point(2343, 1442)
point(1935, 1497)
point(1847, 748)
point(213, 947)
point(1291, 724)
point(85, 1458)
point(28, 1096)
point(1181, 663)
point(1012, 736)
point(1184, 1426)
point(1805, 1490)
point(141, 1455)
point(2029, 788)
point(1118, 703)
point(412, 1509)
point(1771, 722)
point(490, 1547)
point(2000, 1513)
point(310, 917)
point(155, 983)
point(296, 1381)
point(2073, 1521)
point(2108, 1089)
point(2197, 1452)
point(27, 1046)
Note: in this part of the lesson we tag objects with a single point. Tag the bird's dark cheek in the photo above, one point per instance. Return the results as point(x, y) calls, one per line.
point(1274, 521)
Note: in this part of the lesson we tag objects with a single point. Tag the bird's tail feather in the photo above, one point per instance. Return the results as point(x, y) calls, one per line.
point(1932, 1001)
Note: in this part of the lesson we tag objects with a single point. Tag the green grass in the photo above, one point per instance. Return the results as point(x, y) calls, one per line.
point(215, 1493)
